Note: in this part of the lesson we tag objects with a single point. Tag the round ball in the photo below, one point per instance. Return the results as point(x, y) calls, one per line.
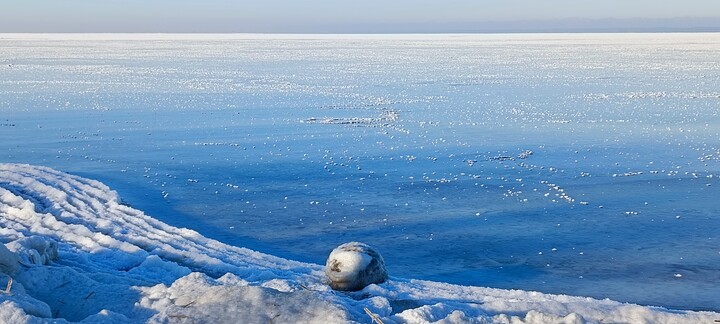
point(352, 266)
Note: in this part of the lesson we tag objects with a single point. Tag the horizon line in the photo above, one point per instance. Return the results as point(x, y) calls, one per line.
point(550, 31)
point(686, 24)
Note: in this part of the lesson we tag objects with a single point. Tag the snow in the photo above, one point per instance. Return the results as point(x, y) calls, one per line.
point(76, 253)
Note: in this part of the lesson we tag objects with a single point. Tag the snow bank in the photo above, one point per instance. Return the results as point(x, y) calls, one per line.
point(76, 253)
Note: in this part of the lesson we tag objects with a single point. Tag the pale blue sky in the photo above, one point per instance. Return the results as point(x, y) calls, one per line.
point(343, 16)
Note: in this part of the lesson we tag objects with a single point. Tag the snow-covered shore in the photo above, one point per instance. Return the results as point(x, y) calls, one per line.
point(75, 252)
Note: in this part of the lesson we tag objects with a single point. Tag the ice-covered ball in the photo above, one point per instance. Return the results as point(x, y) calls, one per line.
point(352, 266)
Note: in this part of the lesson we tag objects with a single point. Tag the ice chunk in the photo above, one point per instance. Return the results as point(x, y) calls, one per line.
point(35, 250)
point(158, 269)
point(15, 308)
point(9, 261)
point(197, 296)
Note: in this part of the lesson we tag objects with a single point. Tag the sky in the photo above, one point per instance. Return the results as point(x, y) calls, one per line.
point(364, 16)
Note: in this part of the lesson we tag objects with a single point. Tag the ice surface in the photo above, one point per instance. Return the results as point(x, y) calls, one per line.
point(115, 264)
point(418, 145)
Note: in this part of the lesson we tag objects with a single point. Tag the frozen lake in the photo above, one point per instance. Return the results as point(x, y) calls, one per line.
point(582, 164)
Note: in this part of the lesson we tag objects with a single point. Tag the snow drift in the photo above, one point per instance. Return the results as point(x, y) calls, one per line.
point(72, 251)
